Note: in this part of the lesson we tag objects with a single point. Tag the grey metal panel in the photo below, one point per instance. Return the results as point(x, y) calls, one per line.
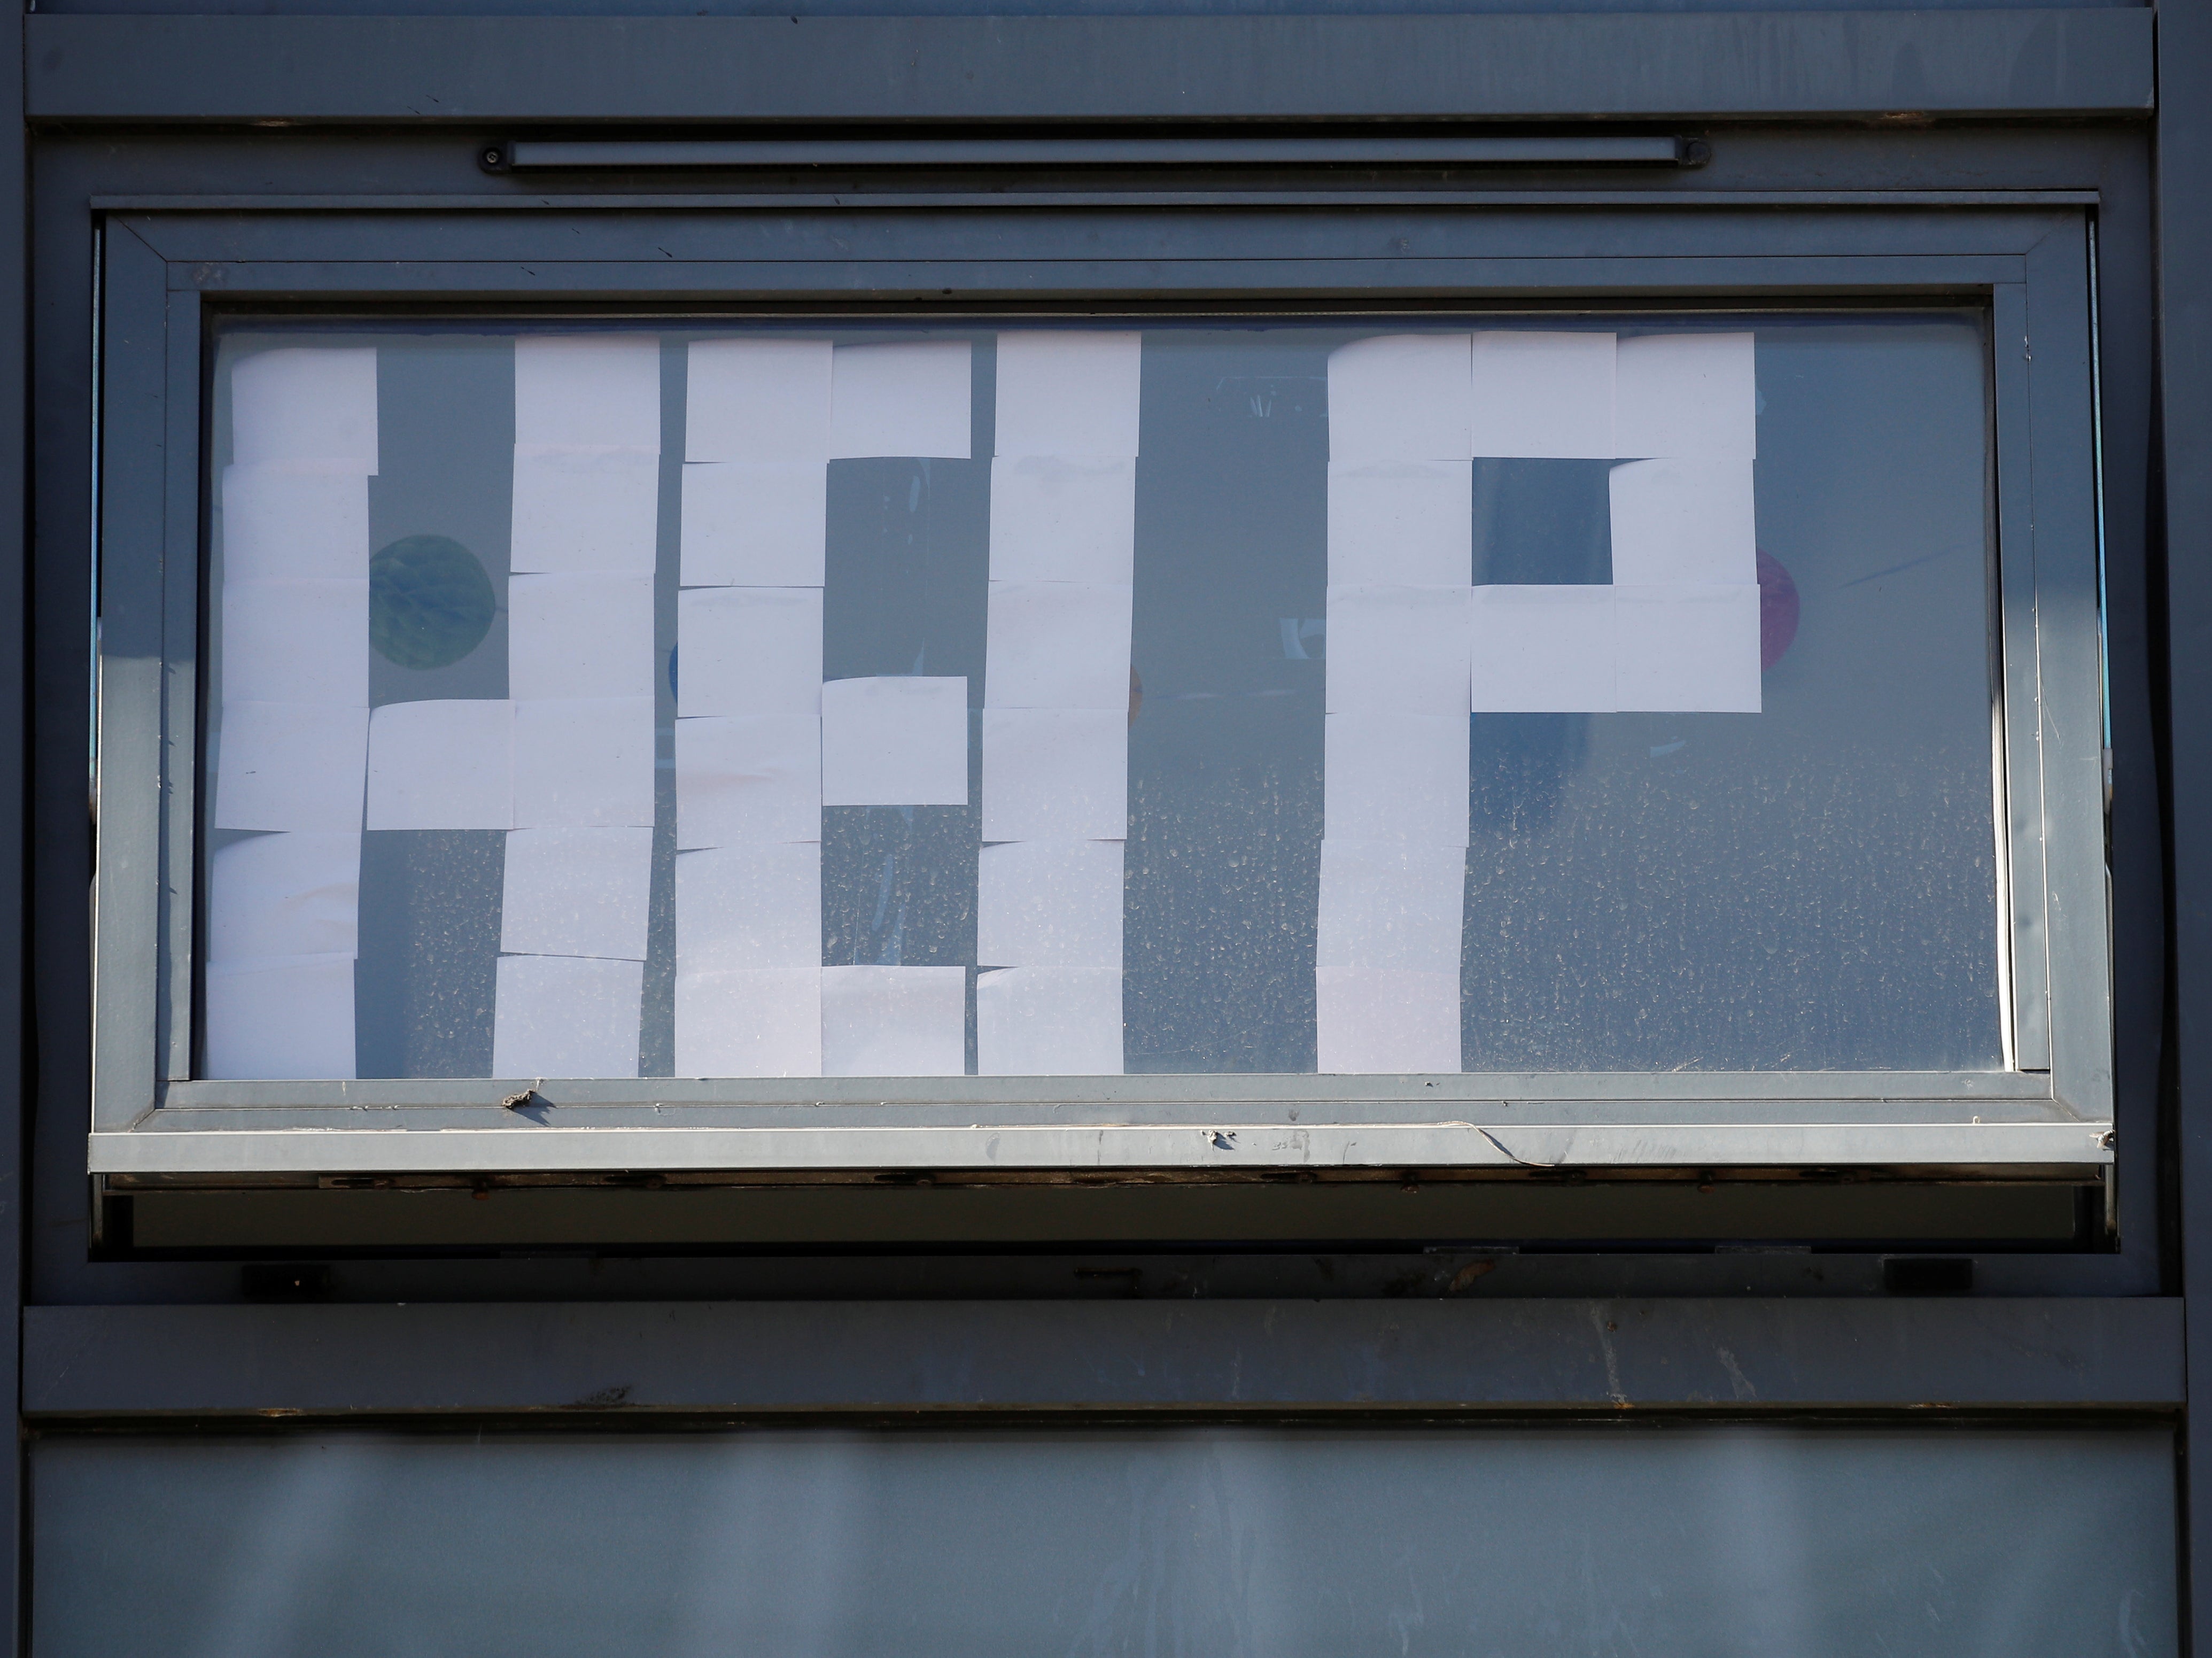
point(1127, 1356)
point(1086, 69)
point(524, 155)
point(180, 678)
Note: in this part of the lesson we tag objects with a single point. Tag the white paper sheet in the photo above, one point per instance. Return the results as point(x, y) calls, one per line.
point(1688, 649)
point(1684, 520)
point(1397, 650)
point(296, 641)
point(1400, 523)
point(739, 780)
point(584, 763)
point(1686, 394)
point(748, 650)
point(1393, 777)
point(304, 520)
point(445, 765)
point(578, 636)
point(1390, 903)
point(909, 398)
point(894, 741)
point(287, 1017)
point(589, 389)
point(585, 510)
point(1544, 650)
point(576, 892)
point(760, 525)
point(749, 1023)
point(289, 766)
point(1377, 1021)
point(1401, 397)
point(566, 1015)
point(1055, 774)
point(1069, 392)
point(305, 403)
point(285, 895)
point(1543, 394)
point(757, 400)
point(1049, 1022)
point(752, 906)
point(1057, 645)
point(1054, 519)
point(894, 1021)
point(1049, 904)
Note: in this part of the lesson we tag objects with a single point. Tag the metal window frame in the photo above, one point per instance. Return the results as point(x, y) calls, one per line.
point(163, 271)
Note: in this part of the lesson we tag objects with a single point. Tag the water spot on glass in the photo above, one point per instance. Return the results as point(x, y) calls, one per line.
point(429, 602)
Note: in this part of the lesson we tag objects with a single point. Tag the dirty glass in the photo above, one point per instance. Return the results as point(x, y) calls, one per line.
point(1238, 694)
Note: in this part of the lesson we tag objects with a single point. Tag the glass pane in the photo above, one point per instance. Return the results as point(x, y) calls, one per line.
point(1239, 693)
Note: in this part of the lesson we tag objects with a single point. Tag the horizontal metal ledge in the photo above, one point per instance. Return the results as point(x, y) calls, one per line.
point(528, 155)
point(703, 1357)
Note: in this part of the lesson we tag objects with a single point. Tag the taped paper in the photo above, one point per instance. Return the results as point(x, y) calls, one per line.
point(1049, 904)
point(576, 892)
point(1055, 774)
point(1684, 520)
point(296, 641)
point(749, 1023)
point(1401, 397)
point(1379, 1021)
point(584, 763)
point(566, 1015)
point(289, 766)
point(444, 765)
point(1400, 523)
point(1049, 1022)
point(587, 390)
point(1055, 518)
point(305, 403)
point(909, 398)
point(578, 636)
point(1393, 777)
point(753, 906)
point(295, 520)
point(757, 400)
point(285, 895)
point(1397, 650)
point(748, 650)
point(755, 525)
point(894, 1021)
point(1069, 392)
point(1543, 395)
point(894, 741)
point(585, 510)
point(1688, 649)
point(746, 780)
point(1544, 650)
point(1686, 394)
point(1057, 645)
point(287, 1017)
point(1391, 903)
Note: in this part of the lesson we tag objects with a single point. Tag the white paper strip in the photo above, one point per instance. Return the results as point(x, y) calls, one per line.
point(584, 763)
point(289, 766)
point(748, 650)
point(1374, 1021)
point(910, 399)
point(305, 403)
point(442, 765)
point(296, 641)
point(1069, 392)
point(566, 1015)
point(1049, 1022)
point(1389, 903)
point(1398, 650)
point(1057, 645)
point(1544, 650)
point(894, 1021)
point(1055, 774)
point(1543, 395)
point(284, 1018)
point(1055, 518)
point(576, 892)
point(1688, 649)
point(298, 520)
point(739, 780)
point(752, 906)
point(894, 741)
point(586, 510)
point(1686, 394)
point(1684, 520)
point(285, 895)
point(588, 390)
point(1401, 397)
point(757, 400)
point(749, 1023)
point(1401, 523)
point(1049, 904)
point(761, 524)
point(580, 636)
point(1393, 777)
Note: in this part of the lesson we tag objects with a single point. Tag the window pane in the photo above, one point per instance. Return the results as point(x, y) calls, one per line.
point(1269, 694)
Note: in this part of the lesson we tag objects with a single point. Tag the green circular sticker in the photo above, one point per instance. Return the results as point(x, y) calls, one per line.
point(429, 602)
